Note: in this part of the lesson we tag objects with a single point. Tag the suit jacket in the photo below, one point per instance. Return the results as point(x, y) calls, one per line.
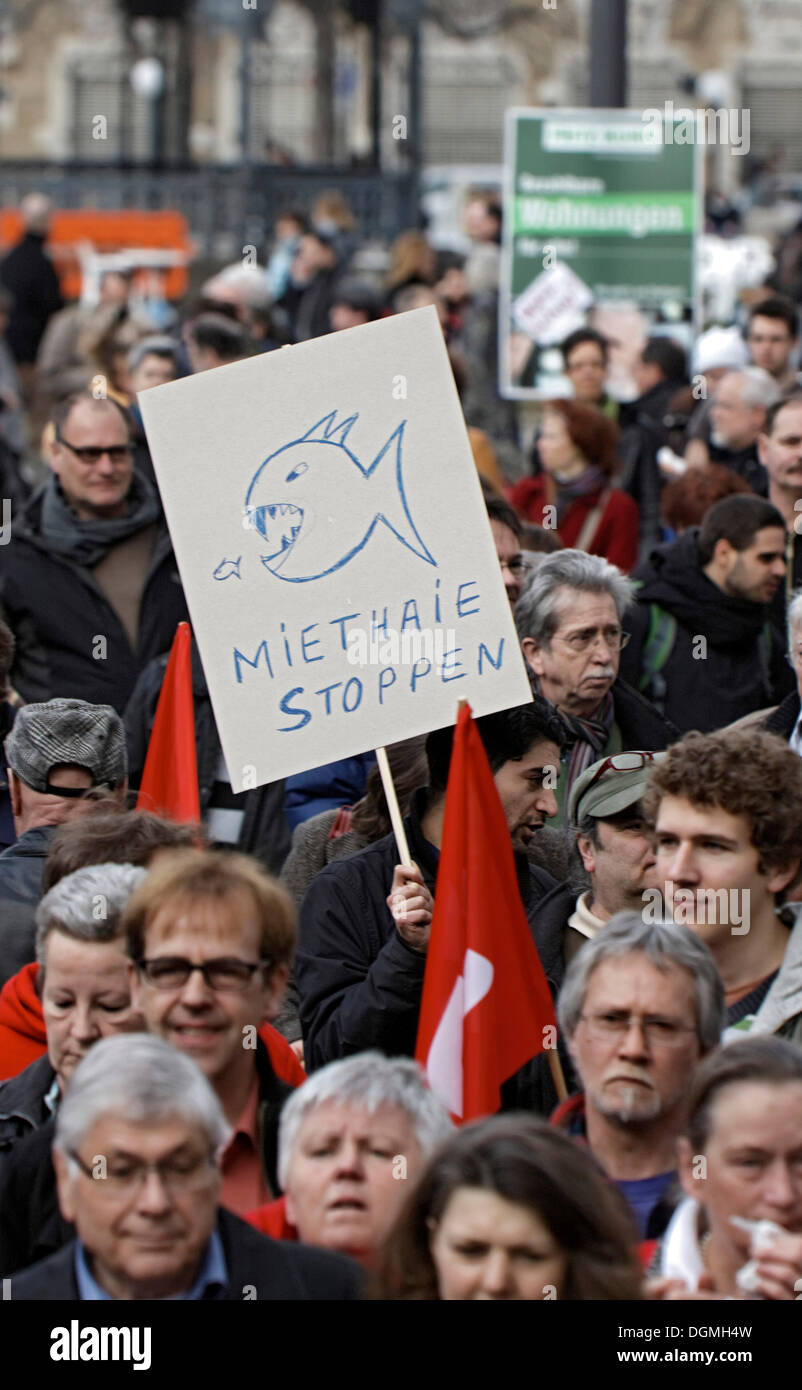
point(274, 1269)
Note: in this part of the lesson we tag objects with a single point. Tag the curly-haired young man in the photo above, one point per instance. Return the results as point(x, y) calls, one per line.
point(727, 814)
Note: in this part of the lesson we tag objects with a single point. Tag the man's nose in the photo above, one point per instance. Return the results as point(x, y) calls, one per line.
point(196, 990)
point(546, 801)
point(680, 866)
point(633, 1041)
point(153, 1196)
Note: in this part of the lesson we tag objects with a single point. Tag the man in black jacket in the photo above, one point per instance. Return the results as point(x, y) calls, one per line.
point(137, 1155)
point(703, 647)
point(90, 584)
point(365, 920)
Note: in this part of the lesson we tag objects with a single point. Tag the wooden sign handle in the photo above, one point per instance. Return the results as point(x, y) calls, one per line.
point(396, 818)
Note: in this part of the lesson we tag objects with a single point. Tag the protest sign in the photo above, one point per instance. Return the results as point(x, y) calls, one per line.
point(334, 546)
point(601, 213)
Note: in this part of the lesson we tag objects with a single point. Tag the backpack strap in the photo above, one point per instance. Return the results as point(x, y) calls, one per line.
point(658, 646)
point(591, 523)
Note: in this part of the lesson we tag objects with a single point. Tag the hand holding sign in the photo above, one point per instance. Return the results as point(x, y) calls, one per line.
point(412, 906)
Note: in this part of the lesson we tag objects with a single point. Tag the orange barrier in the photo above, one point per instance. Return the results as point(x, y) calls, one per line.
point(108, 232)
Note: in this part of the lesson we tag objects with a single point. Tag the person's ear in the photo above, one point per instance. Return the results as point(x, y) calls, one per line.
point(587, 851)
point(722, 551)
point(780, 878)
point(532, 655)
point(14, 792)
point(64, 1184)
point(273, 992)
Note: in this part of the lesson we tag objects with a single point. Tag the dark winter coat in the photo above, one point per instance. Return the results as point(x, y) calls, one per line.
point(360, 983)
point(22, 1103)
point(58, 613)
point(28, 272)
point(21, 868)
point(782, 720)
point(276, 1270)
point(702, 685)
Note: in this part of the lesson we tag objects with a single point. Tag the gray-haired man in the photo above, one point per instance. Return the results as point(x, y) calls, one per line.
point(55, 754)
point(137, 1155)
point(640, 1006)
point(570, 623)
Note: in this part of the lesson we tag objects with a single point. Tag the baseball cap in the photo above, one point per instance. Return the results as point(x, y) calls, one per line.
point(611, 785)
point(67, 731)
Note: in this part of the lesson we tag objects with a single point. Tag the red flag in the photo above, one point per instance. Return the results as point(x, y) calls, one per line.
point(170, 778)
point(485, 1001)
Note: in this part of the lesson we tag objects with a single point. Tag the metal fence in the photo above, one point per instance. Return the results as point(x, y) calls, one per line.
point(225, 208)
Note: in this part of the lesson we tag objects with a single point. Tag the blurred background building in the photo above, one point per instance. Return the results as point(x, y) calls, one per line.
point(290, 89)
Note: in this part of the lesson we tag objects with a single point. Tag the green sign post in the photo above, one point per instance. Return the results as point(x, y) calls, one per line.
point(601, 213)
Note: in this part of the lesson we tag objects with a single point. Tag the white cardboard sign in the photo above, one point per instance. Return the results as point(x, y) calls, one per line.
point(334, 546)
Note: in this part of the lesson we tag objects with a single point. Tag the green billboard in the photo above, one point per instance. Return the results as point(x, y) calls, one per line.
point(601, 212)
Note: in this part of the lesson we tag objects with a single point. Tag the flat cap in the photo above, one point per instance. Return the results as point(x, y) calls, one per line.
point(67, 731)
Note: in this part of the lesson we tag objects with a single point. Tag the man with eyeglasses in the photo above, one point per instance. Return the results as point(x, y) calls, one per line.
point(210, 936)
point(90, 584)
point(507, 536)
point(640, 1005)
point(570, 623)
point(137, 1156)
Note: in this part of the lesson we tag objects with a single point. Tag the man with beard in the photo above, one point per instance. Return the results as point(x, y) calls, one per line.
point(640, 1006)
point(703, 648)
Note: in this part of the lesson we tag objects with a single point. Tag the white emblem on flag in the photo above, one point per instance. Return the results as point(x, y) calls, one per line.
point(444, 1062)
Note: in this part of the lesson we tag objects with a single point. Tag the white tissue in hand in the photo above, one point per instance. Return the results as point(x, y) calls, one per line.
point(763, 1234)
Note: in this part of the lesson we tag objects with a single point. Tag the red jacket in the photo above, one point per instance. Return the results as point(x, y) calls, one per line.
point(23, 1037)
point(271, 1220)
point(616, 535)
point(22, 1028)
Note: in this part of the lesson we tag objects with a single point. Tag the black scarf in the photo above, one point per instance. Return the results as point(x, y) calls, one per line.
point(86, 542)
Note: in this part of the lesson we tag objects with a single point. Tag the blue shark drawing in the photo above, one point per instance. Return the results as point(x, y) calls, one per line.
point(316, 505)
point(227, 568)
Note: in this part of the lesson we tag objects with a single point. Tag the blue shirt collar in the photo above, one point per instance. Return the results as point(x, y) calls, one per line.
point(211, 1280)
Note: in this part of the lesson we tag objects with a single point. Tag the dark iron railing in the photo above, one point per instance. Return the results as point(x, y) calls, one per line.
point(226, 208)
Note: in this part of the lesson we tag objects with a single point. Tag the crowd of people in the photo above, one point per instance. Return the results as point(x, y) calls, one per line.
point(207, 1031)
